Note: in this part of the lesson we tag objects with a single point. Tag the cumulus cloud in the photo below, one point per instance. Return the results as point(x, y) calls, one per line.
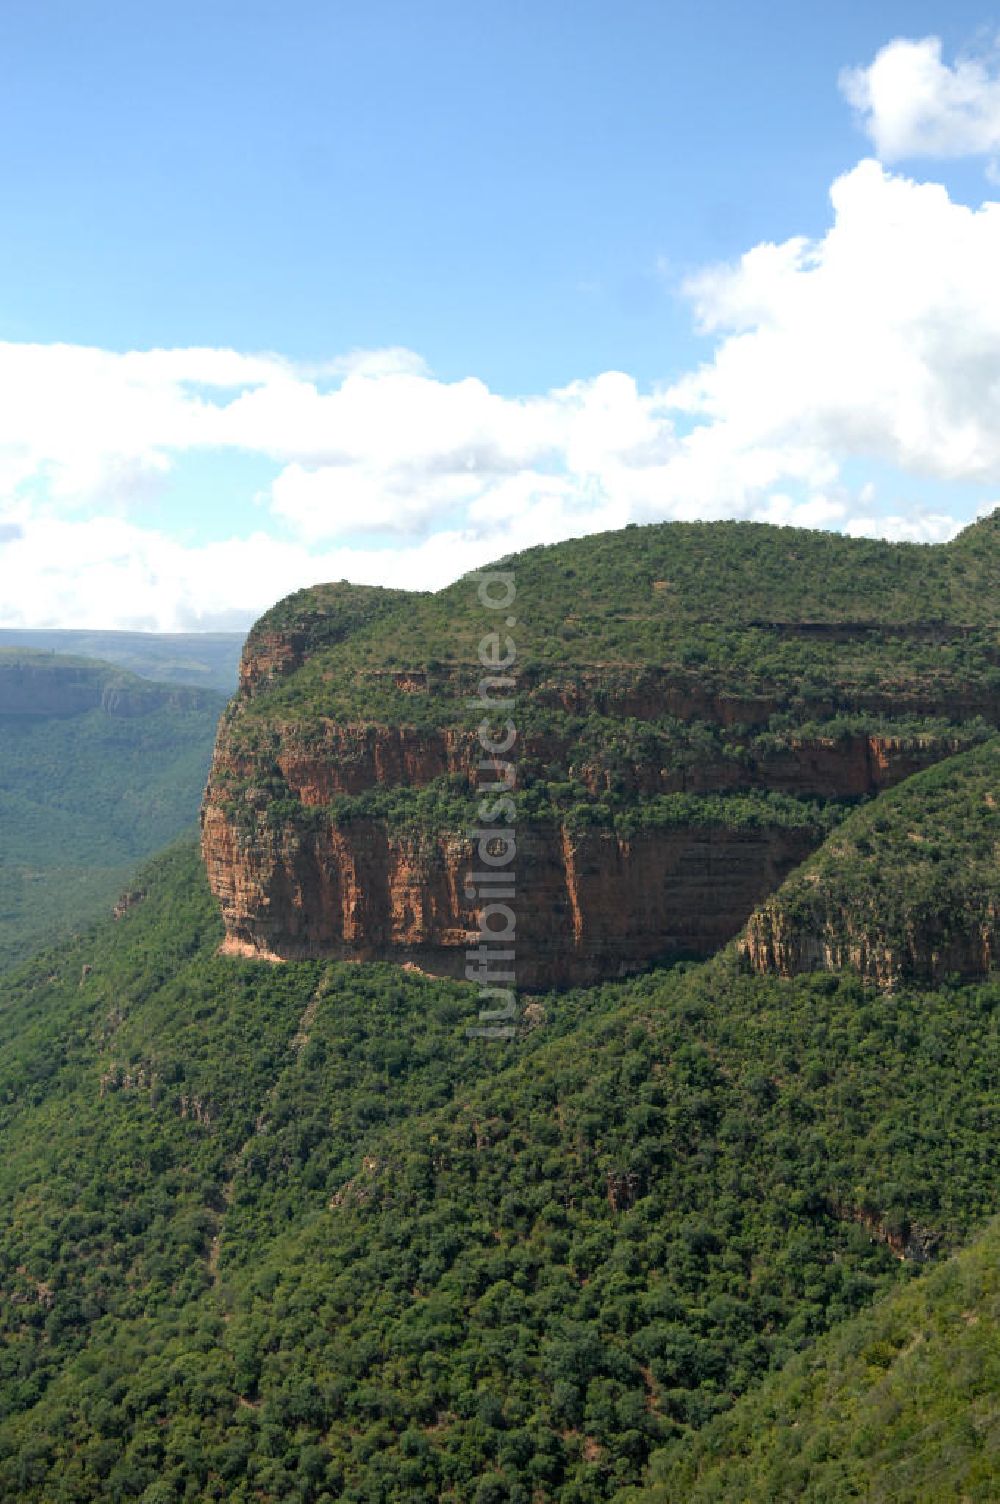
point(374, 441)
point(912, 104)
point(929, 527)
point(380, 448)
point(877, 343)
point(107, 572)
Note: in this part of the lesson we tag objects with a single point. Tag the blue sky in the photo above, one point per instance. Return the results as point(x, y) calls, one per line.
point(522, 196)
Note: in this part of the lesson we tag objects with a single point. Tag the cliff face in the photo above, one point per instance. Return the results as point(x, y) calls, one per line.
point(305, 623)
point(906, 891)
point(589, 904)
point(349, 759)
point(927, 949)
point(673, 767)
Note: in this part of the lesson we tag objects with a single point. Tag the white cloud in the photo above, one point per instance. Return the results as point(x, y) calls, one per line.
point(912, 104)
point(877, 343)
point(107, 572)
point(931, 527)
point(333, 501)
point(881, 341)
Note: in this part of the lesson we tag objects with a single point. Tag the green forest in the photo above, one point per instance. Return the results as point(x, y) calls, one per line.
point(85, 795)
point(709, 652)
point(288, 1233)
point(725, 1230)
point(499, 752)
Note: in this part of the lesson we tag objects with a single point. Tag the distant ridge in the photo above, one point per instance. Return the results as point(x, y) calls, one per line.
point(98, 768)
point(207, 659)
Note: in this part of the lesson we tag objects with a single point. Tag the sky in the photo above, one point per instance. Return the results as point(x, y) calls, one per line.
point(382, 291)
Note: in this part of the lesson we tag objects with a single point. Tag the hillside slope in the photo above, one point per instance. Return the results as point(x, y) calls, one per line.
point(696, 706)
point(907, 890)
point(902, 1403)
point(287, 1233)
point(98, 768)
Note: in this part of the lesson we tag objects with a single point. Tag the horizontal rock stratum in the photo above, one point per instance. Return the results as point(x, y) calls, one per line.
point(697, 707)
point(907, 891)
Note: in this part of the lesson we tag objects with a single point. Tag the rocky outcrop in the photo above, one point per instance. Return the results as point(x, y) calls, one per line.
point(931, 948)
point(908, 1241)
point(907, 890)
point(127, 900)
point(348, 759)
point(306, 623)
point(303, 864)
point(275, 656)
point(589, 904)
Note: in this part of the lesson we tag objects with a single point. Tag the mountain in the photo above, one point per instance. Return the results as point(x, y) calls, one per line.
point(719, 1229)
point(696, 707)
point(98, 769)
point(903, 1402)
point(207, 660)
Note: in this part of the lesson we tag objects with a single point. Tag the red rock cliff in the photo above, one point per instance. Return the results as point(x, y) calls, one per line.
point(907, 890)
point(589, 904)
point(293, 881)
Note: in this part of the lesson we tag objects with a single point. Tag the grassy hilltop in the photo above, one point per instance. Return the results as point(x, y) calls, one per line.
point(774, 635)
point(741, 606)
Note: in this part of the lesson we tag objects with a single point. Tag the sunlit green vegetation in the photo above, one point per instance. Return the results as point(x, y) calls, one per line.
point(675, 647)
point(288, 1233)
point(449, 804)
point(913, 876)
point(739, 607)
point(903, 1402)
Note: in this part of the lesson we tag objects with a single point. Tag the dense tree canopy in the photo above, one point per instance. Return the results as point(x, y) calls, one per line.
point(288, 1233)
